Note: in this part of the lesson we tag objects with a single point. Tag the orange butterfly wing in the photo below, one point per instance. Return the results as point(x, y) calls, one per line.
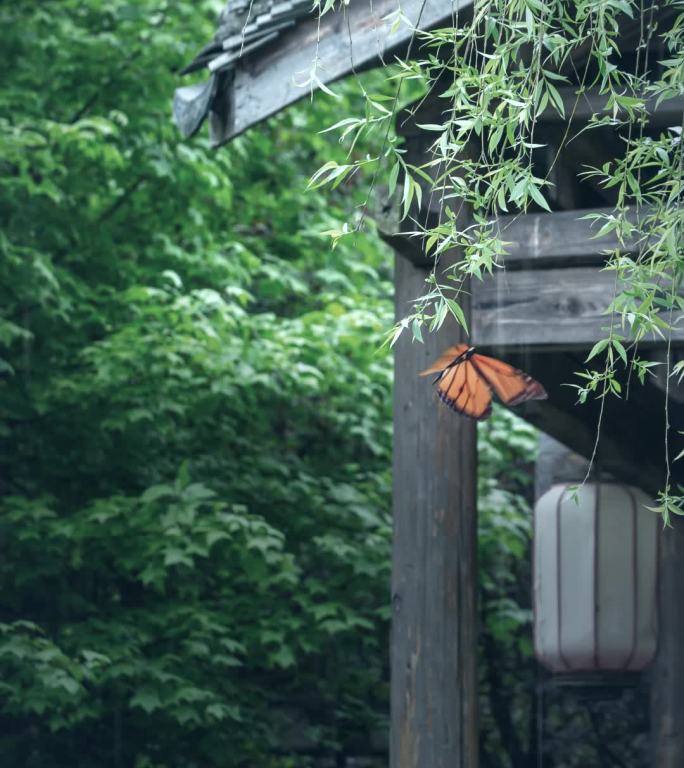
point(462, 390)
point(445, 359)
point(511, 385)
point(466, 385)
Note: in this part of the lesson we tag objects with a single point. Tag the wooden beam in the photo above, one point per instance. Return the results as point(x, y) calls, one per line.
point(343, 42)
point(536, 240)
point(532, 240)
point(547, 308)
point(549, 293)
point(434, 703)
point(434, 579)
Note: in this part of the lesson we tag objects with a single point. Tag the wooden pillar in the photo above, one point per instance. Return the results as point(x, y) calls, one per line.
point(434, 575)
point(667, 714)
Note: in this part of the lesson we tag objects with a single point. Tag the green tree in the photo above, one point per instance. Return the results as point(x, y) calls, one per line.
point(194, 419)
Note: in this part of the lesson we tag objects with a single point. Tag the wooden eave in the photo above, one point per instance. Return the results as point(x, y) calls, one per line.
point(358, 37)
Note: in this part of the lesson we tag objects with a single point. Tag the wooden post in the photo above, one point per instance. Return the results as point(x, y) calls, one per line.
point(434, 576)
point(667, 714)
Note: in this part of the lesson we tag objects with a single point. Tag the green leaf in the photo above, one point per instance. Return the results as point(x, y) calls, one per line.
point(458, 313)
point(599, 347)
point(393, 177)
point(538, 198)
point(156, 492)
point(621, 350)
point(146, 699)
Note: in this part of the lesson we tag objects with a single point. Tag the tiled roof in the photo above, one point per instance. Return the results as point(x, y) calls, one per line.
point(243, 27)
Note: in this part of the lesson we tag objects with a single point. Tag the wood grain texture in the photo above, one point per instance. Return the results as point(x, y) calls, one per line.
point(434, 621)
point(552, 308)
point(538, 240)
point(344, 42)
point(533, 240)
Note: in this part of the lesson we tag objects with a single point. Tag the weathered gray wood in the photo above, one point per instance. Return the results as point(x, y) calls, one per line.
point(554, 308)
point(355, 39)
point(344, 42)
point(434, 635)
point(536, 240)
point(434, 554)
point(667, 686)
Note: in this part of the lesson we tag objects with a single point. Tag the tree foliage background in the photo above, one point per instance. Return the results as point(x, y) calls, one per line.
point(195, 427)
point(195, 424)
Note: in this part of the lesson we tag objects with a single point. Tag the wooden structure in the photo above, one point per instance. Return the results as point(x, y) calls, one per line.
point(543, 314)
point(275, 67)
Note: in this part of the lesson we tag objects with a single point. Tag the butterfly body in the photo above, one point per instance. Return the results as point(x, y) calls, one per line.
point(466, 380)
point(466, 355)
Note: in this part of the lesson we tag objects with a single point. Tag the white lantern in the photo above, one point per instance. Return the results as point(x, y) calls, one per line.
point(595, 576)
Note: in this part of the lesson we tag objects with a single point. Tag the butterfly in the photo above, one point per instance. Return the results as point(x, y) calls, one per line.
point(465, 380)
